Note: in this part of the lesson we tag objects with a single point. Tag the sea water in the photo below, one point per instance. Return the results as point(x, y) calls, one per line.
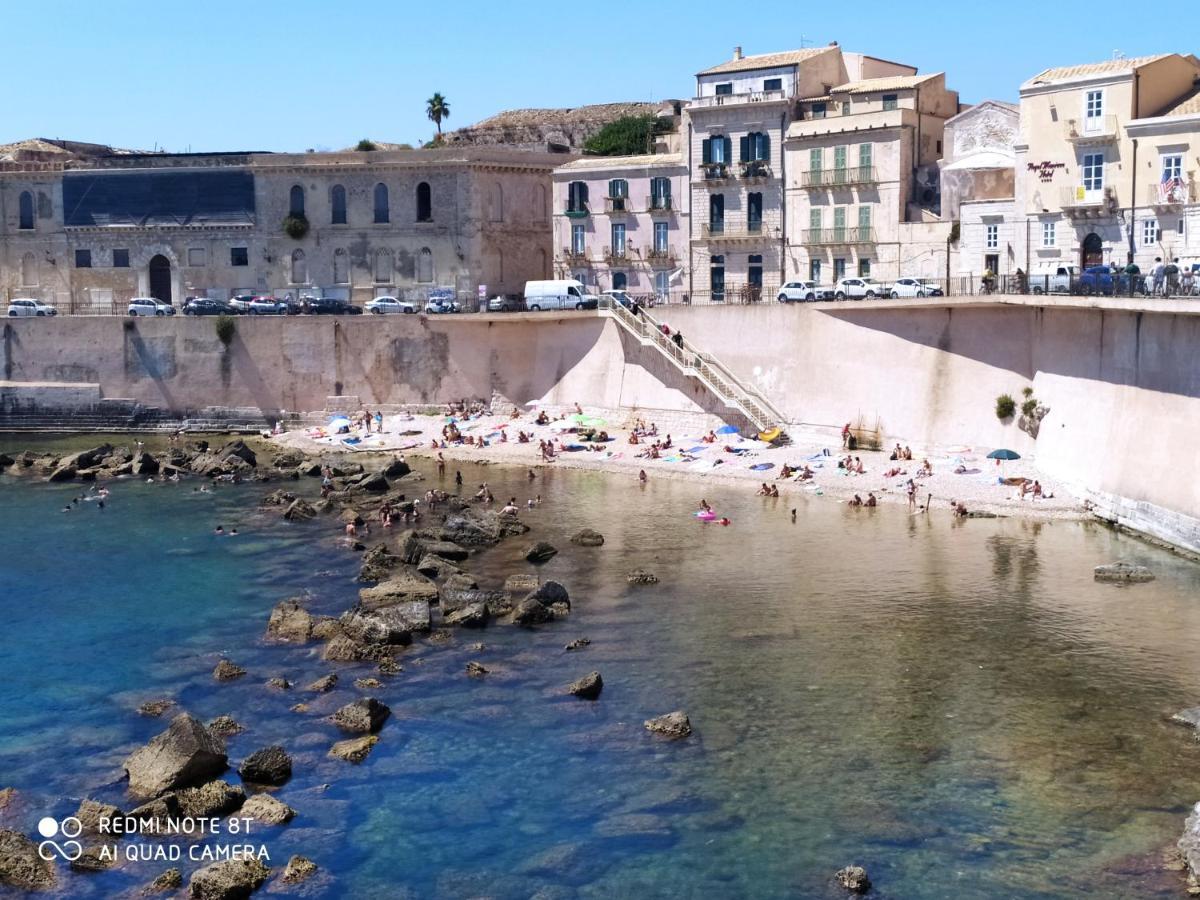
point(955, 705)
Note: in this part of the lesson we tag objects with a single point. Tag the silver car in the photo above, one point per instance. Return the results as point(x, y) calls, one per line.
point(149, 306)
point(27, 306)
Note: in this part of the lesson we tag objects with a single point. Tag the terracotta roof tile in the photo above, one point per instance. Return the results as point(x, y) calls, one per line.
point(766, 60)
point(1086, 70)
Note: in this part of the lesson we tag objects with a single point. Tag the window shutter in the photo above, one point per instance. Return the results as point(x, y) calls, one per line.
point(706, 150)
point(744, 147)
point(728, 150)
point(764, 147)
point(583, 193)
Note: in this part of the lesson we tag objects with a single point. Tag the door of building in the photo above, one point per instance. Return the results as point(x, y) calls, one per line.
point(160, 278)
point(1092, 251)
point(991, 263)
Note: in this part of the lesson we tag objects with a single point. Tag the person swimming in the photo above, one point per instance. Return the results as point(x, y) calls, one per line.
point(219, 530)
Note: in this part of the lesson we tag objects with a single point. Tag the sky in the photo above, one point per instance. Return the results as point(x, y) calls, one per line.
point(289, 76)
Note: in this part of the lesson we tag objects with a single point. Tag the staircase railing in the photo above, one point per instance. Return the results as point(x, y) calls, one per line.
point(704, 366)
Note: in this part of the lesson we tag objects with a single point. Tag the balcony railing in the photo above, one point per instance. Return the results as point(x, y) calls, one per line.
point(659, 205)
point(836, 236)
point(1161, 196)
point(663, 257)
point(714, 171)
point(1092, 130)
point(737, 99)
point(731, 231)
point(1082, 202)
point(617, 205)
point(752, 169)
point(833, 178)
point(576, 212)
point(616, 256)
point(575, 257)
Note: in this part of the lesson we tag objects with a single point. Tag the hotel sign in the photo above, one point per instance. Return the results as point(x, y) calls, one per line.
point(1045, 169)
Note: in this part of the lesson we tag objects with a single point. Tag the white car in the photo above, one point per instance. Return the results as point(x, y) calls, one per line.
point(266, 305)
point(914, 287)
point(149, 306)
point(27, 306)
point(858, 288)
point(383, 305)
point(438, 307)
point(803, 292)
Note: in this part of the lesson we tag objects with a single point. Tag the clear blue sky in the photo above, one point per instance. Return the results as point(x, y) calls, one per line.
point(266, 75)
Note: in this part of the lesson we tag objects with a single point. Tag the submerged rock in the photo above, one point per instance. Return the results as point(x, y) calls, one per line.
point(225, 726)
point(1122, 571)
point(186, 753)
point(170, 880)
point(233, 879)
point(266, 809)
point(268, 765)
point(20, 865)
point(298, 869)
point(673, 725)
point(362, 716)
point(588, 687)
point(155, 708)
point(279, 683)
point(324, 684)
point(354, 750)
point(227, 671)
point(368, 684)
point(641, 576)
point(854, 879)
point(476, 670)
point(578, 644)
point(588, 538)
point(540, 552)
point(1189, 717)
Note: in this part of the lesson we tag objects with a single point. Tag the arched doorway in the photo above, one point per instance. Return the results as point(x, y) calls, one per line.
point(160, 278)
point(1092, 253)
point(619, 281)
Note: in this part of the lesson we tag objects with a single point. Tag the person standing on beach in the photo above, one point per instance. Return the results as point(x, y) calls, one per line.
point(458, 478)
point(441, 465)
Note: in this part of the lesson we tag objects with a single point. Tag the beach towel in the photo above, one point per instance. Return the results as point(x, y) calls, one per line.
point(762, 467)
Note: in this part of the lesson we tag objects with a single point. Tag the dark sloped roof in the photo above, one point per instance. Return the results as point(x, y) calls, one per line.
point(158, 198)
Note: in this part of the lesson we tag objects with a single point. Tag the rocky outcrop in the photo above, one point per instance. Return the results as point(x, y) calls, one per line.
point(540, 552)
point(476, 670)
point(588, 687)
point(531, 612)
point(673, 725)
point(227, 671)
point(215, 798)
point(20, 865)
point(299, 511)
point(168, 881)
point(641, 576)
point(268, 765)
point(403, 588)
point(93, 816)
point(551, 593)
point(233, 879)
point(266, 809)
point(587, 538)
point(364, 716)
point(476, 528)
point(324, 684)
point(392, 625)
point(289, 622)
point(474, 615)
point(1189, 849)
point(354, 750)
point(280, 497)
point(853, 879)
point(298, 869)
point(279, 683)
point(378, 563)
point(154, 708)
point(578, 644)
point(1122, 571)
point(225, 726)
point(185, 754)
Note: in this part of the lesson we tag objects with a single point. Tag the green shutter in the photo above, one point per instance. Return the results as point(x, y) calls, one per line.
point(816, 159)
point(728, 150)
point(706, 151)
point(765, 146)
point(864, 217)
point(744, 147)
point(839, 157)
point(814, 218)
point(864, 156)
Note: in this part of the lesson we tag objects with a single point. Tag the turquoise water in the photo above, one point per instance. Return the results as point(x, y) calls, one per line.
point(955, 705)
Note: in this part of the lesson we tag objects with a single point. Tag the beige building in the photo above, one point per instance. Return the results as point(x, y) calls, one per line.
point(87, 230)
point(863, 192)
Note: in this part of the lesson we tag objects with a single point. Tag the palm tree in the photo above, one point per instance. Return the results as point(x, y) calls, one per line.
point(437, 109)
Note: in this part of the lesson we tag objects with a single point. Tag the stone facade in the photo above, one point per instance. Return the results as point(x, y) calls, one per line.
point(383, 222)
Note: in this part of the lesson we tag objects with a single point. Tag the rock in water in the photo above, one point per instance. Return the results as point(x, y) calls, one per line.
point(578, 644)
point(155, 708)
point(854, 878)
point(1122, 571)
point(266, 809)
point(290, 622)
point(170, 880)
point(378, 563)
point(551, 593)
point(1189, 848)
point(298, 869)
point(473, 616)
point(324, 684)
point(530, 612)
point(185, 754)
point(216, 798)
point(270, 765)
point(225, 726)
point(233, 879)
point(92, 815)
point(20, 865)
point(641, 576)
point(588, 538)
point(588, 687)
point(299, 511)
point(362, 716)
point(476, 670)
point(227, 671)
point(1189, 717)
point(540, 552)
point(404, 588)
point(354, 750)
point(673, 725)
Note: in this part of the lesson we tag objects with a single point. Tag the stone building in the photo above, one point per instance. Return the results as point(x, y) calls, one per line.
point(89, 231)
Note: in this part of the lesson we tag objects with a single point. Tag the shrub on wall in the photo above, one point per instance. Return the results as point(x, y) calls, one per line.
point(1005, 406)
point(225, 328)
point(296, 226)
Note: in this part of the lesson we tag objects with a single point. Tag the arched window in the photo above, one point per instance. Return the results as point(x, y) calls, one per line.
point(341, 267)
point(425, 266)
point(337, 202)
point(496, 203)
point(29, 270)
point(620, 281)
point(383, 266)
point(381, 204)
point(424, 203)
point(26, 210)
point(296, 201)
point(299, 268)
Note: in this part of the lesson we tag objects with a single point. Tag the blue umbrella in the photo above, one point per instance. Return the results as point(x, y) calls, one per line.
point(727, 429)
point(1004, 454)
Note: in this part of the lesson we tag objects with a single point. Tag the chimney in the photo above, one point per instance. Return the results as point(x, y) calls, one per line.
point(737, 52)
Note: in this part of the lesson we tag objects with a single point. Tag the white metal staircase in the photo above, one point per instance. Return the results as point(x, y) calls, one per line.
point(695, 363)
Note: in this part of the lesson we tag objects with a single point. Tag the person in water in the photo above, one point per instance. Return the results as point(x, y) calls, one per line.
point(704, 507)
point(723, 521)
point(642, 476)
point(219, 530)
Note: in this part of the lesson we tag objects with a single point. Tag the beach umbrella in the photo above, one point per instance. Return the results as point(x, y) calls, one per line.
point(588, 421)
point(727, 429)
point(1004, 454)
point(339, 422)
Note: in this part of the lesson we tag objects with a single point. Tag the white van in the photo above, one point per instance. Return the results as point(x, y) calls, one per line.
point(562, 294)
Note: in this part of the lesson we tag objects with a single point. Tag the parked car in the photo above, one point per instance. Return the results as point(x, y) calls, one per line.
point(388, 305)
point(915, 287)
point(803, 292)
point(858, 288)
point(149, 306)
point(1060, 281)
point(563, 293)
point(266, 305)
point(206, 306)
point(27, 306)
point(241, 302)
point(505, 304)
point(619, 296)
point(438, 306)
point(331, 306)
point(1102, 280)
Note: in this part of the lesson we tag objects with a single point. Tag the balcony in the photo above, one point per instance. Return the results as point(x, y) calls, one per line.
point(820, 179)
point(574, 257)
point(831, 237)
point(714, 172)
point(736, 99)
point(1092, 130)
point(1081, 203)
point(754, 170)
point(618, 206)
point(731, 231)
point(1159, 196)
point(577, 212)
point(617, 256)
point(660, 206)
point(664, 257)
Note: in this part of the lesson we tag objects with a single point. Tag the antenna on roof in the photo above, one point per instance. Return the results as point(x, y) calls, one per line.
point(805, 42)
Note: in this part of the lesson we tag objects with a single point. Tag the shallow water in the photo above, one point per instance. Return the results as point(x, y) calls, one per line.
point(955, 705)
